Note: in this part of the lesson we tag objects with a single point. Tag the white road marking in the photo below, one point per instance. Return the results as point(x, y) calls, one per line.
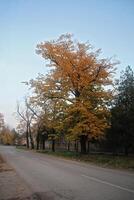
point(107, 183)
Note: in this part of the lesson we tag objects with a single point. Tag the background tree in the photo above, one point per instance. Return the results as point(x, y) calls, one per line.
point(121, 133)
point(48, 120)
point(7, 136)
point(39, 127)
point(27, 116)
point(2, 123)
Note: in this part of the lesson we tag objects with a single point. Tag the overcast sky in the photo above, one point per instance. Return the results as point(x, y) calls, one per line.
point(106, 24)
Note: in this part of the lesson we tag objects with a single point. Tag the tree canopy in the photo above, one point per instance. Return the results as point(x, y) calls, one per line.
point(121, 133)
point(74, 91)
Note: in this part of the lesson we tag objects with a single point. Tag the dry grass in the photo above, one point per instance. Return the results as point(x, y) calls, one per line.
point(4, 166)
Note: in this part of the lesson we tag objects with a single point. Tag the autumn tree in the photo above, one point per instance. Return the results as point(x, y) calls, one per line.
point(2, 124)
point(26, 119)
point(48, 114)
point(77, 80)
point(7, 136)
point(39, 126)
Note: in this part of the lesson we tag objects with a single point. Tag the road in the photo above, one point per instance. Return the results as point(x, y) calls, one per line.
point(60, 179)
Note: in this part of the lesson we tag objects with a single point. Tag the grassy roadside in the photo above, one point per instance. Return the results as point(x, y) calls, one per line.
point(109, 161)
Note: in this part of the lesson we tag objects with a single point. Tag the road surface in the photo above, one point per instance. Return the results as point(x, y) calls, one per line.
point(60, 179)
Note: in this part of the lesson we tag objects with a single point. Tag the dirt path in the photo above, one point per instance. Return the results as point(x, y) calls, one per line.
point(11, 186)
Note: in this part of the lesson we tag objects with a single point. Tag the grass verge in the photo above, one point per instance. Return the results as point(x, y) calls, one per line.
point(109, 161)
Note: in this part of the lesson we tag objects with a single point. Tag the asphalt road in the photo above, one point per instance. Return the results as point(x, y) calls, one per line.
point(60, 179)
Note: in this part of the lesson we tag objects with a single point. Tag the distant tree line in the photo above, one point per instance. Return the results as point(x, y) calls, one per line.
point(77, 100)
point(7, 135)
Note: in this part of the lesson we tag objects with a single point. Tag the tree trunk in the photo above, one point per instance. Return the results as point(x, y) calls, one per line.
point(68, 146)
point(53, 145)
point(27, 138)
point(31, 138)
point(37, 141)
point(43, 144)
point(83, 140)
point(88, 147)
point(126, 150)
point(76, 146)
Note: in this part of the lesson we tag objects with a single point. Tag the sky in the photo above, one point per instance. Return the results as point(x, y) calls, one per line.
point(106, 24)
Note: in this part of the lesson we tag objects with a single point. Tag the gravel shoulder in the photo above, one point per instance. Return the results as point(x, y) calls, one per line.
point(12, 187)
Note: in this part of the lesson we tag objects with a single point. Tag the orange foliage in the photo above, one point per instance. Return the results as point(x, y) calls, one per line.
point(78, 80)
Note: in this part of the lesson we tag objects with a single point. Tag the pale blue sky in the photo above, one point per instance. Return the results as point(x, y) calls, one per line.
point(106, 24)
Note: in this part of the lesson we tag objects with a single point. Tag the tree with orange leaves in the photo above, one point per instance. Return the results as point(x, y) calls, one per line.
point(78, 80)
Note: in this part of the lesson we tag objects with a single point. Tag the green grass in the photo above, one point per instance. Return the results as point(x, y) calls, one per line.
point(109, 161)
point(65, 154)
point(119, 162)
point(22, 147)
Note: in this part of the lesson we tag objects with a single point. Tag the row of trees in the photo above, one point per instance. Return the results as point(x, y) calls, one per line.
point(75, 101)
point(120, 135)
